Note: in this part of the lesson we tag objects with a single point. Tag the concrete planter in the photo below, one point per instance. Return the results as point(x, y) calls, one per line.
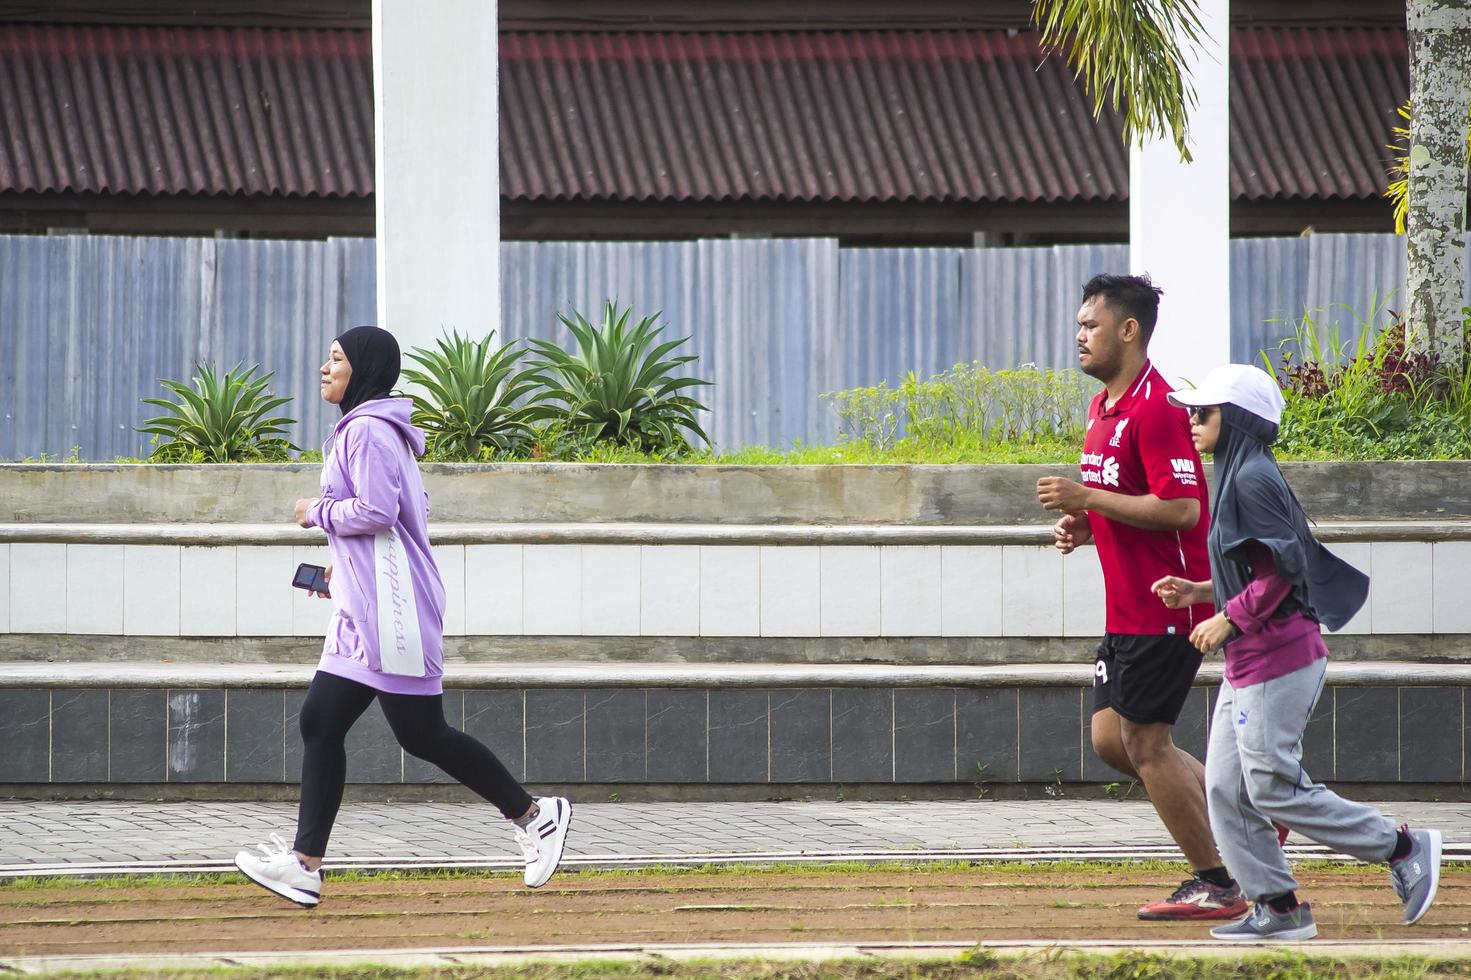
point(766, 495)
point(680, 630)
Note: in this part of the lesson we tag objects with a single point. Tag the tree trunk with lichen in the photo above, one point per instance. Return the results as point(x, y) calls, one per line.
point(1440, 86)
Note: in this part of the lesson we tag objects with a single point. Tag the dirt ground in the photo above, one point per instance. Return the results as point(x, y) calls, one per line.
point(970, 905)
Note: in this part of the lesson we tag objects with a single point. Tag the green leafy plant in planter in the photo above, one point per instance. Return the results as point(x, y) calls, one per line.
point(474, 406)
point(221, 419)
point(1363, 393)
point(620, 387)
point(969, 406)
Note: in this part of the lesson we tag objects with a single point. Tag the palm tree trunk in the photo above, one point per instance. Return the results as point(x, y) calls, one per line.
point(1440, 73)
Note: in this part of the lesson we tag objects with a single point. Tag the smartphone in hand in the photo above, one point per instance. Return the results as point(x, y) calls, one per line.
point(312, 578)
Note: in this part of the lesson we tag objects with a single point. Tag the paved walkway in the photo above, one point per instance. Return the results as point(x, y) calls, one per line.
point(71, 837)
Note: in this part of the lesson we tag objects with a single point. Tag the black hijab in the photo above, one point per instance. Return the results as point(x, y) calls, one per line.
point(373, 354)
point(1254, 503)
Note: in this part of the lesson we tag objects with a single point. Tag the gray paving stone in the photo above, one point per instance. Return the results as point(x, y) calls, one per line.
point(41, 832)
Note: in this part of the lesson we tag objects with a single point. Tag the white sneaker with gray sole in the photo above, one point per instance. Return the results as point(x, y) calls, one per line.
point(277, 870)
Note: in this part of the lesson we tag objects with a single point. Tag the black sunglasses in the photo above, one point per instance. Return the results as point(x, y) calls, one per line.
point(1201, 413)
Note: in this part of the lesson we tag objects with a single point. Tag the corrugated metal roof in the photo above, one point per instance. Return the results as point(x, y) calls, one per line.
point(871, 116)
point(1312, 110)
point(935, 116)
point(168, 110)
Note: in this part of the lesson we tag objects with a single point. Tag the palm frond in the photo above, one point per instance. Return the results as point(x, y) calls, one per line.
point(1130, 55)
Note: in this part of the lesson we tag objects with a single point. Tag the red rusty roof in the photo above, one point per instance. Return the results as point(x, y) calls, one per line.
point(915, 116)
point(935, 116)
point(1312, 110)
point(168, 110)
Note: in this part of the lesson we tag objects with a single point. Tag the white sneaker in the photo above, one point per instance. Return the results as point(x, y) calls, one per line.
point(542, 840)
point(276, 869)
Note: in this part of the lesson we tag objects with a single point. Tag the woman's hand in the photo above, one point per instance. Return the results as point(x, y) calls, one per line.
point(302, 506)
point(1209, 635)
point(1177, 593)
point(326, 577)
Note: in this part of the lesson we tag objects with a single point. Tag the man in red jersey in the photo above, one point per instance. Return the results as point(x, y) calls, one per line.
point(1142, 501)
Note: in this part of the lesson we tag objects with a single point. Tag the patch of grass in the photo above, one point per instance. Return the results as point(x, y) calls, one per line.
point(910, 451)
point(978, 963)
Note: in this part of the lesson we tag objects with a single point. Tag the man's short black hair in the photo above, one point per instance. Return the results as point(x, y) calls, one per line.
point(1129, 296)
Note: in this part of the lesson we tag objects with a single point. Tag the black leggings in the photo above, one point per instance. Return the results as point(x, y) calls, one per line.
point(333, 704)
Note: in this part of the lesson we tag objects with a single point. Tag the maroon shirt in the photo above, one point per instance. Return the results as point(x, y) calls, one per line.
point(1268, 648)
point(1142, 446)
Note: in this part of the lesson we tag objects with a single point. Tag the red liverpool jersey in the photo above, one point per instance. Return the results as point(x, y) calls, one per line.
point(1142, 446)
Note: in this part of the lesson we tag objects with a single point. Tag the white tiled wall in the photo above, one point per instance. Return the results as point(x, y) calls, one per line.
point(262, 605)
point(151, 590)
point(1451, 591)
point(1083, 608)
point(551, 597)
point(1031, 590)
point(1400, 599)
point(610, 589)
point(669, 594)
point(849, 590)
point(661, 590)
point(910, 594)
point(5, 587)
point(730, 591)
point(38, 588)
point(493, 576)
point(451, 561)
point(791, 579)
point(970, 590)
point(94, 589)
point(207, 605)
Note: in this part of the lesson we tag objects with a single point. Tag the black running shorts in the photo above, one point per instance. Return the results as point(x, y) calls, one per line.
point(1144, 677)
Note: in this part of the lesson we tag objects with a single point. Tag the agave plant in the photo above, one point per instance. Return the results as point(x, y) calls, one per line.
point(474, 396)
point(620, 386)
point(221, 419)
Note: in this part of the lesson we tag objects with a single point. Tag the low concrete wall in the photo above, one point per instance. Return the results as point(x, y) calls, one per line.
point(733, 633)
point(707, 727)
point(575, 493)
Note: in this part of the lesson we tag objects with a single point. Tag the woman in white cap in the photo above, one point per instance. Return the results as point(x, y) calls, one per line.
point(1275, 586)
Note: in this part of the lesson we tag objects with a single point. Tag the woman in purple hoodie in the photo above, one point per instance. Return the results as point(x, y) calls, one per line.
point(386, 638)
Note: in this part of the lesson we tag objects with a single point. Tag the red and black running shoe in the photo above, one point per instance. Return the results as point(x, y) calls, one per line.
point(1197, 899)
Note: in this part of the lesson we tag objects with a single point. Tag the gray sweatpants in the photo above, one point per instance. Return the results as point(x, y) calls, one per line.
point(1254, 776)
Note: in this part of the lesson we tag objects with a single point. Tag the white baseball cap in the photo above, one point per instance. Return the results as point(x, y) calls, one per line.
point(1241, 385)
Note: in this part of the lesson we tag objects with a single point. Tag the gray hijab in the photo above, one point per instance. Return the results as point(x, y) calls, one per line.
point(1254, 503)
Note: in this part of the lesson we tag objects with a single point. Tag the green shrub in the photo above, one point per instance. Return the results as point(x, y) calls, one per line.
point(620, 387)
point(970, 406)
point(473, 406)
point(219, 420)
point(1365, 394)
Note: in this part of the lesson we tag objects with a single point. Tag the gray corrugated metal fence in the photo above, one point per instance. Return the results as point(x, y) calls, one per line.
point(89, 324)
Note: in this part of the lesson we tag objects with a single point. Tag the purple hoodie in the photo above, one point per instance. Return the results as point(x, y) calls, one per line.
point(384, 580)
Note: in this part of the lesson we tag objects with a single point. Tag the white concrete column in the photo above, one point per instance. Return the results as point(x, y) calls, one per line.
point(1180, 218)
point(437, 167)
